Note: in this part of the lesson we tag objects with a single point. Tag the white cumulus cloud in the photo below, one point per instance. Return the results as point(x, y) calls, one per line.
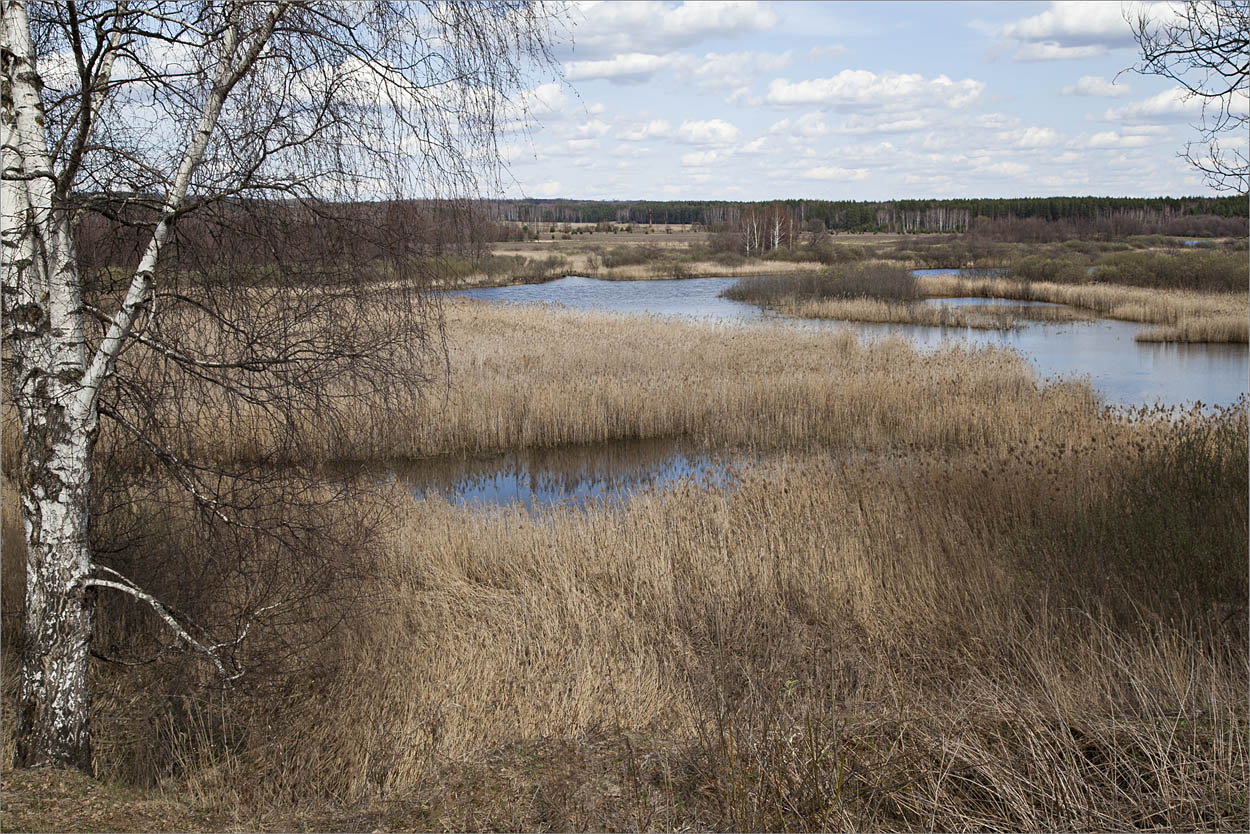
point(697, 158)
point(736, 69)
point(546, 100)
point(1075, 22)
point(1167, 106)
point(1074, 29)
point(1111, 139)
point(654, 129)
point(1030, 137)
point(627, 68)
point(710, 132)
point(713, 69)
point(831, 172)
point(611, 28)
point(594, 127)
point(862, 90)
point(808, 125)
point(1096, 85)
point(1051, 51)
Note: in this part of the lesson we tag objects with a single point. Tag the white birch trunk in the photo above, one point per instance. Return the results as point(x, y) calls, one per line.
point(57, 388)
point(44, 327)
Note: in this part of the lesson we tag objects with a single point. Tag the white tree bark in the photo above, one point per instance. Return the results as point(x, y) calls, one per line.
point(57, 389)
point(329, 94)
point(44, 328)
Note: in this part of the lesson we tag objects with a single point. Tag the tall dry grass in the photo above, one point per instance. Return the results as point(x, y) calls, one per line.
point(956, 599)
point(1182, 315)
point(1044, 635)
point(526, 377)
point(977, 317)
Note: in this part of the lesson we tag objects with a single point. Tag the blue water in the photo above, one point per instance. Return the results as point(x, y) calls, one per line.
point(569, 476)
point(1126, 372)
point(692, 298)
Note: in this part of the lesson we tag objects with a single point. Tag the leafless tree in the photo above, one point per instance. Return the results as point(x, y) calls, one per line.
point(1204, 46)
point(234, 156)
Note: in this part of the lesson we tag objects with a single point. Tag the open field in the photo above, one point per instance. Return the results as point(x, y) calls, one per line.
point(952, 599)
point(688, 253)
point(638, 255)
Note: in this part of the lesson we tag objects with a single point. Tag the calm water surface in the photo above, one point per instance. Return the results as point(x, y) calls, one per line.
point(1124, 371)
point(573, 476)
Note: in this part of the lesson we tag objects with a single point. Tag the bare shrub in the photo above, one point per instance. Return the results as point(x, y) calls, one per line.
point(856, 280)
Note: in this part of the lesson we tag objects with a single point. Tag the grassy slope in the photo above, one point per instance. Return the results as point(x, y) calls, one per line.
point(958, 601)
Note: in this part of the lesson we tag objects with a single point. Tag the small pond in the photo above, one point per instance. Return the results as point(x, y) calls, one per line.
point(571, 475)
point(1125, 371)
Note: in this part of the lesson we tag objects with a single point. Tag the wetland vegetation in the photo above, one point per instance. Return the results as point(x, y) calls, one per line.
point(951, 596)
point(847, 583)
point(1187, 293)
point(843, 515)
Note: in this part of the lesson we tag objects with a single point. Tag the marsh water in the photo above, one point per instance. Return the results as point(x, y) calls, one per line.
point(569, 475)
point(1124, 371)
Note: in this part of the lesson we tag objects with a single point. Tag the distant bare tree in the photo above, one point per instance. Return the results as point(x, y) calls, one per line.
point(231, 155)
point(1204, 46)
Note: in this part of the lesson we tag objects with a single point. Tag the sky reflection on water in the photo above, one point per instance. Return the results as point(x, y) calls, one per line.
point(1124, 371)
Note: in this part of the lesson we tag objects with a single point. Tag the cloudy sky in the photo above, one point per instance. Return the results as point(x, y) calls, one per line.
point(865, 101)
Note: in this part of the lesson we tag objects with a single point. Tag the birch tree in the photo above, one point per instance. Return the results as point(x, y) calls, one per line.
point(184, 127)
point(1204, 46)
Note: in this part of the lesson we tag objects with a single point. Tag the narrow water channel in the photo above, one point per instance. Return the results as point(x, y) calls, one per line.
point(1124, 371)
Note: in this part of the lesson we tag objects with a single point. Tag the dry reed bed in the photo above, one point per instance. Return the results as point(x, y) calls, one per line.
point(590, 265)
point(963, 600)
point(525, 377)
point(987, 317)
point(1045, 637)
point(1182, 316)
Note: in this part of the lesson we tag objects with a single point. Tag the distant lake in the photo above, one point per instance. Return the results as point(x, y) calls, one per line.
point(1125, 371)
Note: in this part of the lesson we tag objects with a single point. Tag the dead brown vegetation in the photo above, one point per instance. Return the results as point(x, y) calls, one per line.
point(1185, 315)
point(957, 600)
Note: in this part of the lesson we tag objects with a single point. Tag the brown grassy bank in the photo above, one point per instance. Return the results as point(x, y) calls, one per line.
point(1181, 315)
point(1049, 635)
point(877, 291)
point(960, 600)
point(977, 317)
point(508, 266)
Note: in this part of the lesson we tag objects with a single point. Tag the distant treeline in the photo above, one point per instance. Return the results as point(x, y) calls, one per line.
point(304, 241)
point(311, 237)
point(1137, 215)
